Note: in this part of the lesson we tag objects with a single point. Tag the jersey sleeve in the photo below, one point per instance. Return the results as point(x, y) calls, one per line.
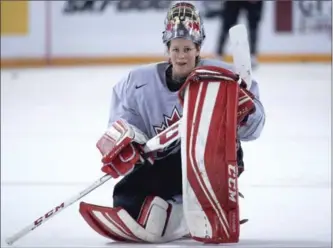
point(123, 105)
point(256, 121)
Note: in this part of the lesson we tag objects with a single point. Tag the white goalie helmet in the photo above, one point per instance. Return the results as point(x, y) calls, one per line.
point(183, 20)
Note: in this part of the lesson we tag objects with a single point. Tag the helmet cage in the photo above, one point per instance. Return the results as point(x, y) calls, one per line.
point(183, 21)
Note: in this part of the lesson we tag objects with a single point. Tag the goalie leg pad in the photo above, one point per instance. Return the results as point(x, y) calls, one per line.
point(159, 221)
point(106, 222)
point(209, 164)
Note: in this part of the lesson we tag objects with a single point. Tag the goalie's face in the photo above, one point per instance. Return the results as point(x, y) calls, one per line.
point(183, 54)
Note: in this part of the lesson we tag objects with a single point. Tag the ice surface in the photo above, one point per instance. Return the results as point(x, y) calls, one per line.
point(52, 118)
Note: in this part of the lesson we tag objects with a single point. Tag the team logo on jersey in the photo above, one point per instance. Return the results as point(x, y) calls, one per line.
point(167, 122)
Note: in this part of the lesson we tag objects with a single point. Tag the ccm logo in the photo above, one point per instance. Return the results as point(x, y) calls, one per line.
point(169, 135)
point(232, 183)
point(48, 214)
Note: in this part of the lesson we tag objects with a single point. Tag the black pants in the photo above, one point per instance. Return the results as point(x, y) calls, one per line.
point(163, 179)
point(229, 17)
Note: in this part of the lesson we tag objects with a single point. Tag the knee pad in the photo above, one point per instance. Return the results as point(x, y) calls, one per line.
point(154, 215)
point(163, 218)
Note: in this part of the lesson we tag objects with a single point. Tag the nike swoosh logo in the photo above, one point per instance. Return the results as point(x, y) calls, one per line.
point(138, 87)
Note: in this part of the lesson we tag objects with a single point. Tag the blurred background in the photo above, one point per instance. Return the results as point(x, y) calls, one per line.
point(73, 32)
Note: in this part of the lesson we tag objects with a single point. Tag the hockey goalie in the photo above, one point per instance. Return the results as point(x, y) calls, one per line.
point(189, 189)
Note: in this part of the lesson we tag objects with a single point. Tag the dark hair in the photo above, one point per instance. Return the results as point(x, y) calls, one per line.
point(197, 46)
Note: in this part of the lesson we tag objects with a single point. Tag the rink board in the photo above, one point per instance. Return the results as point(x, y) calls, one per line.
point(57, 34)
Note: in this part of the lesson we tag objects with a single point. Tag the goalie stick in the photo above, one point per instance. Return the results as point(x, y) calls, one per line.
point(242, 64)
point(159, 141)
point(241, 53)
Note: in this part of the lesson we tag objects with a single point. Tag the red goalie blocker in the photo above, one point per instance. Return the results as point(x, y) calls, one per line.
point(208, 139)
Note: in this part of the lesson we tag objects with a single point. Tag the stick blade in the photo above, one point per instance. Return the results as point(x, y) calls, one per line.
point(241, 52)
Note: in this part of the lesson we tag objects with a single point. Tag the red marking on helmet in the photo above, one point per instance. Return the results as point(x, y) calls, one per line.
point(194, 26)
point(169, 26)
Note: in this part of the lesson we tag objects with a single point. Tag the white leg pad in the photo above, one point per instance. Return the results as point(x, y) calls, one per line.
point(159, 221)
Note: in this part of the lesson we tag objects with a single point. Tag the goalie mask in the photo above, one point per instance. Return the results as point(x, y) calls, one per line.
point(183, 21)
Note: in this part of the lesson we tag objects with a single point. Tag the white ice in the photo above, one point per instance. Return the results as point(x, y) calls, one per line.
point(52, 118)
